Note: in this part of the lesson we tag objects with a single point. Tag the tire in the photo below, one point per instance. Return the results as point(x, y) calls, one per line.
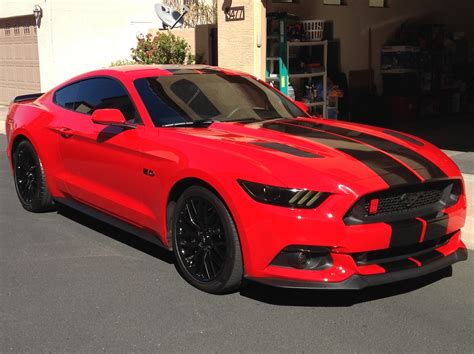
point(205, 242)
point(30, 180)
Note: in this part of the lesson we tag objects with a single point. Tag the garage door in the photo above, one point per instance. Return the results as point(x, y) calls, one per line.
point(19, 64)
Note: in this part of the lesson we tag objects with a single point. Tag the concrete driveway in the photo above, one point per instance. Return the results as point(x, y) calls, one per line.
point(70, 283)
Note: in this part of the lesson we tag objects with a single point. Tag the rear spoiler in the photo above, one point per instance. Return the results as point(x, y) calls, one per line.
point(30, 97)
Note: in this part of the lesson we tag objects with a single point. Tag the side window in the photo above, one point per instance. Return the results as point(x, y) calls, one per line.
point(66, 97)
point(104, 93)
point(91, 94)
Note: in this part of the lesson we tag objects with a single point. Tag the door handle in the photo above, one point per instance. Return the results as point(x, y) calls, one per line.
point(65, 132)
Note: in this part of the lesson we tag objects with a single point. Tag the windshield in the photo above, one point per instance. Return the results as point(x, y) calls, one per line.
point(211, 96)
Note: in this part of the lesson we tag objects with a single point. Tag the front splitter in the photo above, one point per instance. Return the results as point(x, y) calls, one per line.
point(357, 281)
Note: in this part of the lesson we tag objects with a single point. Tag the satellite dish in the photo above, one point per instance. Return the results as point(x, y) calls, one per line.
point(170, 17)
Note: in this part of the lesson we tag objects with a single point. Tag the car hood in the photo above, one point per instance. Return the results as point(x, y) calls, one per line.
point(299, 151)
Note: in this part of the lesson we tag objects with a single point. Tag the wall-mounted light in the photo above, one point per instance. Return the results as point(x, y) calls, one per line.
point(226, 4)
point(38, 13)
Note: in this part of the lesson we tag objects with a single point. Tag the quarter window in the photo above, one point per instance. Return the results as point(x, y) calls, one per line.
point(67, 96)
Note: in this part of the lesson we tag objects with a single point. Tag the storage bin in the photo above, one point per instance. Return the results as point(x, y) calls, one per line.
point(313, 29)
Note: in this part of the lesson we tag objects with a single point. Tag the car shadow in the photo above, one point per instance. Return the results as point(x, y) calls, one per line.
point(337, 298)
point(108, 133)
point(117, 234)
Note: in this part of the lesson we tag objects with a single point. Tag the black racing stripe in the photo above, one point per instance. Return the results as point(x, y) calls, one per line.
point(405, 233)
point(429, 257)
point(287, 149)
point(403, 137)
point(209, 70)
point(436, 227)
point(180, 70)
point(187, 71)
point(390, 170)
point(426, 168)
point(387, 168)
point(398, 265)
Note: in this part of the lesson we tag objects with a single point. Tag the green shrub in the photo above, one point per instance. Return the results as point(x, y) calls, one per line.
point(122, 62)
point(162, 48)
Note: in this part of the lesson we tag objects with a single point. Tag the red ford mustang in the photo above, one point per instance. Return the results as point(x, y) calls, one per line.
point(237, 179)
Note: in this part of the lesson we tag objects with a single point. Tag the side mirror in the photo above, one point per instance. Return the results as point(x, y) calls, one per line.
point(109, 116)
point(302, 106)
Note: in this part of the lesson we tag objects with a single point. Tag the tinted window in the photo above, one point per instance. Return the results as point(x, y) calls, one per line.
point(192, 96)
point(66, 97)
point(91, 94)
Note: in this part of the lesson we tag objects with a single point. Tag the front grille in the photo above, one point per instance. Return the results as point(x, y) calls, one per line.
point(404, 202)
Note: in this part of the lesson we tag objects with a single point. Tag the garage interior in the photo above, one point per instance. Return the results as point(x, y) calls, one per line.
point(406, 65)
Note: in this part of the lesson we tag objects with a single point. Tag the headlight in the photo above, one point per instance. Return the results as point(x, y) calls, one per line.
point(291, 198)
point(456, 191)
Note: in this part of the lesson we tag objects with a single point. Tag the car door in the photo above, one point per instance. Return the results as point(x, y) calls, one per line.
point(102, 164)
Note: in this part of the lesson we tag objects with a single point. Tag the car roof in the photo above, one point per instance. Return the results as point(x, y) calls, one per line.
point(133, 72)
point(164, 67)
point(136, 71)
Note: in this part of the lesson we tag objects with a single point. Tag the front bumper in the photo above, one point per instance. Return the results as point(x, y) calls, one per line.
point(358, 281)
point(266, 231)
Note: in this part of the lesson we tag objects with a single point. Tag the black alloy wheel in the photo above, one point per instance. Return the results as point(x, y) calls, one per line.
point(200, 239)
point(30, 181)
point(26, 175)
point(205, 242)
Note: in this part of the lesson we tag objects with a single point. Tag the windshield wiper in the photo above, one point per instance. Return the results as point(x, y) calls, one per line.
point(194, 123)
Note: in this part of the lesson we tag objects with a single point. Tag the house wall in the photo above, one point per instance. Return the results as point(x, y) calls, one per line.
point(352, 22)
point(241, 44)
point(81, 35)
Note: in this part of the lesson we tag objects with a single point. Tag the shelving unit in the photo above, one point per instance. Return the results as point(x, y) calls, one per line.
point(315, 104)
point(281, 58)
point(280, 75)
point(305, 75)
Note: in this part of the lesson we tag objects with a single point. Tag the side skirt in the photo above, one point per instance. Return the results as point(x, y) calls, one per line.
point(111, 220)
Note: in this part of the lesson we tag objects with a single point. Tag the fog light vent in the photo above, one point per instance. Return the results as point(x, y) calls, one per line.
point(299, 259)
point(304, 257)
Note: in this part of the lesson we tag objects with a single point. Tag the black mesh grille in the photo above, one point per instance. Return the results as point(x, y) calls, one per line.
point(402, 202)
point(405, 202)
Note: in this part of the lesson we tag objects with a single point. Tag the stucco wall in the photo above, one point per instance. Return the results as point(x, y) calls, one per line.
point(238, 41)
point(80, 35)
